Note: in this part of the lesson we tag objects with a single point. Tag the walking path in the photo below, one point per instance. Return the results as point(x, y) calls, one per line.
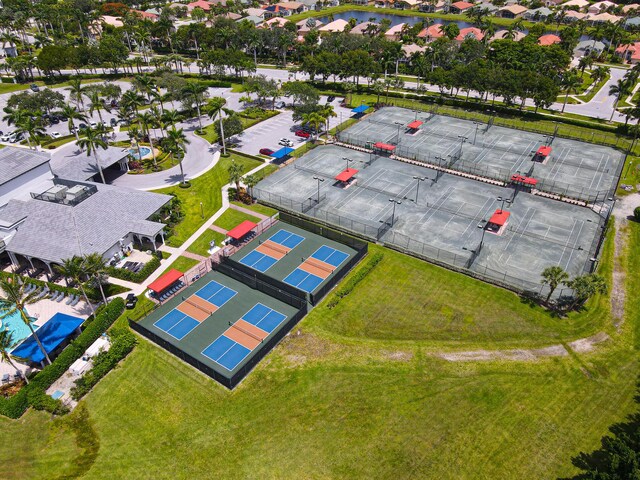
point(248, 212)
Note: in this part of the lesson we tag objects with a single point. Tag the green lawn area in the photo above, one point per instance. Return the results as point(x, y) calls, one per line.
point(340, 399)
point(258, 208)
point(630, 175)
point(201, 245)
point(594, 90)
point(205, 189)
point(230, 218)
point(182, 264)
point(12, 87)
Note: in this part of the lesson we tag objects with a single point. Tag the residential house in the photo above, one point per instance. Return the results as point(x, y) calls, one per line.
point(293, 7)
point(632, 23)
point(251, 18)
point(206, 6)
point(113, 21)
point(572, 16)
point(538, 14)
point(504, 34)
point(552, 3)
point(604, 17)
point(573, 4)
point(432, 6)
point(459, 7)
point(271, 11)
point(549, 39)
point(308, 24)
point(395, 32)
point(628, 53)
point(600, 7)
point(146, 16)
point(405, 4)
point(254, 12)
point(363, 28)
point(490, 8)
point(512, 11)
point(631, 8)
point(274, 22)
point(335, 26)
point(432, 32)
point(469, 33)
point(231, 16)
point(410, 50)
point(587, 47)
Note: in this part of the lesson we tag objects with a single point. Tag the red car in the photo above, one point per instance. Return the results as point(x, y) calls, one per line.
point(303, 134)
point(266, 151)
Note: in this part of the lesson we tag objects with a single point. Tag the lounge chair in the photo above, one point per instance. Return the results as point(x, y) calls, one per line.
point(6, 378)
point(60, 297)
point(75, 301)
point(54, 296)
point(29, 288)
point(70, 299)
point(43, 293)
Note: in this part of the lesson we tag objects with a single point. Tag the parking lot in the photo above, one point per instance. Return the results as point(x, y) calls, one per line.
point(573, 169)
point(439, 216)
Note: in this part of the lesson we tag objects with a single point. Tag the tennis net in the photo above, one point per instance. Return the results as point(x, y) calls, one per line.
point(191, 302)
point(277, 247)
point(319, 264)
point(246, 332)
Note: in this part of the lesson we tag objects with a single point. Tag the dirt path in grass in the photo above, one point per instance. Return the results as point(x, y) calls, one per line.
point(623, 211)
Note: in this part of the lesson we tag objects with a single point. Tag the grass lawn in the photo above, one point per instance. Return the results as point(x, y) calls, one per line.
point(230, 218)
point(256, 207)
point(339, 401)
point(201, 245)
point(594, 90)
point(630, 175)
point(182, 264)
point(205, 189)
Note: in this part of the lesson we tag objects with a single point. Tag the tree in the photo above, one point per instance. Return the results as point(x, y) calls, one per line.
point(586, 286)
point(75, 270)
point(315, 119)
point(176, 143)
point(72, 114)
point(7, 343)
point(96, 104)
point(52, 58)
point(636, 214)
point(93, 140)
point(251, 181)
point(570, 83)
point(196, 93)
point(235, 175)
point(131, 100)
point(213, 109)
point(230, 126)
point(31, 127)
point(553, 276)
point(76, 91)
point(147, 121)
point(112, 51)
point(618, 89)
point(96, 268)
point(13, 298)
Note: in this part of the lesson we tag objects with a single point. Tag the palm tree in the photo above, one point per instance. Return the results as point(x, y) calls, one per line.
point(570, 82)
point(315, 119)
point(147, 121)
point(76, 91)
point(196, 93)
point(327, 112)
point(96, 104)
point(213, 109)
point(74, 269)
point(235, 175)
point(132, 101)
point(14, 299)
point(176, 144)
point(134, 137)
point(378, 89)
point(251, 181)
point(96, 268)
point(146, 85)
point(171, 117)
point(553, 276)
point(72, 114)
point(32, 128)
point(618, 89)
point(14, 116)
point(93, 140)
point(7, 342)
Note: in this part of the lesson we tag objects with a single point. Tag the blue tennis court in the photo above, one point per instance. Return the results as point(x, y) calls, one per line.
point(216, 294)
point(287, 239)
point(226, 352)
point(258, 261)
point(330, 255)
point(305, 281)
point(176, 324)
point(264, 317)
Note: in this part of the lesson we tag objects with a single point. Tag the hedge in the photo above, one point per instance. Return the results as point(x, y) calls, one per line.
point(350, 284)
point(139, 277)
point(34, 394)
point(121, 345)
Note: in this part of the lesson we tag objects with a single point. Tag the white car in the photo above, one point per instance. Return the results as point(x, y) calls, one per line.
point(56, 134)
point(286, 142)
point(5, 137)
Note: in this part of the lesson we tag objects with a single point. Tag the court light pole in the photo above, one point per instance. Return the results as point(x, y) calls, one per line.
point(475, 135)
point(462, 140)
point(418, 180)
point(484, 230)
point(393, 214)
point(399, 124)
point(503, 200)
point(320, 180)
point(348, 160)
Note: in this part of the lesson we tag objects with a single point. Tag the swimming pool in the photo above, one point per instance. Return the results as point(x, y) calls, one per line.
point(16, 326)
point(144, 151)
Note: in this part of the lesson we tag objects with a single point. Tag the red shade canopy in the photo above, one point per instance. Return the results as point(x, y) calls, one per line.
point(524, 180)
point(415, 124)
point(166, 280)
point(384, 146)
point(346, 175)
point(499, 217)
point(241, 230)
point(544, 151)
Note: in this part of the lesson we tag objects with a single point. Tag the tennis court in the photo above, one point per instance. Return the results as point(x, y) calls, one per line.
point(219, 322)
point(438, 216)
point(309, 262)
point(271, 250)
point(573, 168)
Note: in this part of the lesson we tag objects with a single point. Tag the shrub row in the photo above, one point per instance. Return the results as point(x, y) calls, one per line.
point(34, 394)
point(124, 274)
point(52, 286)
point(350, 284)
point(122, 342)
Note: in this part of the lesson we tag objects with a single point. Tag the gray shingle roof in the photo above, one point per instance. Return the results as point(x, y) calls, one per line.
point(76, 165)
point(102, 219)
point(16, 161)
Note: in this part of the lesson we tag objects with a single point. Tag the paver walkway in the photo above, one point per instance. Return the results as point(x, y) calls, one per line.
point(248, 212)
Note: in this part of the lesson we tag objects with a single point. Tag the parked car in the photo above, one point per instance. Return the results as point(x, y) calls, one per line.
point(56, 134)
point(266, 151)
point(131, 301)
point(285, 142)
point(34, 87)
point(93, 124)
point(113, 121)
point(82, 126)
point(280, 104)
point(331, 98)
point(303, 134)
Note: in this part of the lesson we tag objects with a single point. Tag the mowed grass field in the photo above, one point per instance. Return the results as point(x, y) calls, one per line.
point(358, 391)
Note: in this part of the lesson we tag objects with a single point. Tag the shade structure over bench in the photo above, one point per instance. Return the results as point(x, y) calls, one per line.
point(384, 146)
point(415, 124)
point(346, 175)
point(165, 281)
point(283, 152)
point(499, 217)
point(543, 151)
point(360, 109)
point(241, 230)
